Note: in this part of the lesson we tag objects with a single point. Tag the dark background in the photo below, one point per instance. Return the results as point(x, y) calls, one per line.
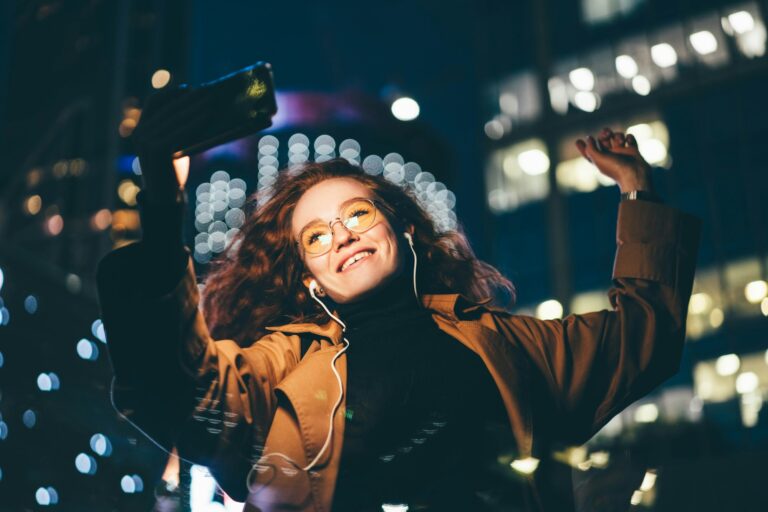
point(71, 71)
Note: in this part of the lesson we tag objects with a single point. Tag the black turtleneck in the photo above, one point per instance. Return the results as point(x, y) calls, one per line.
point(422, 410)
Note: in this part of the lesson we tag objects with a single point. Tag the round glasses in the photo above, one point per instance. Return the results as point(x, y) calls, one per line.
point(358, 215)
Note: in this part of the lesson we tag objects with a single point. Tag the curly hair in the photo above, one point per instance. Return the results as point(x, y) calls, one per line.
point(257, 283)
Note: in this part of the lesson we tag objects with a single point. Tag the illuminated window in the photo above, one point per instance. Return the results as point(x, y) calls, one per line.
point(706, 38)
point(602, 11)
point(513, 101)
point(588, 302)
point(746, 286)
point(706, 307)
point(747, 27)
point(517, 175)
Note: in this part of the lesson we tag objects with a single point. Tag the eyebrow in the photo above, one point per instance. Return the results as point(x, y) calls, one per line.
point(341, 206)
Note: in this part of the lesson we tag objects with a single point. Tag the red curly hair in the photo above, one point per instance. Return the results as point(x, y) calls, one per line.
point(257, 283)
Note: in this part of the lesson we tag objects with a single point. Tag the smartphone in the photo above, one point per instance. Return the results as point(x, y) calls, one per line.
point(234, 106)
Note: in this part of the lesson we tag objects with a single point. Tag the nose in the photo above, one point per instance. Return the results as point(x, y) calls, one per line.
point(342, 236)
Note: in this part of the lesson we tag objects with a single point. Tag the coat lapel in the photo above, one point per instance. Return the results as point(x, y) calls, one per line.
point(313, 390)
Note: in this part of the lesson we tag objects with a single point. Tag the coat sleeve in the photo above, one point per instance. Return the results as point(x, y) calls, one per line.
point(593, 365)
point(213, 400)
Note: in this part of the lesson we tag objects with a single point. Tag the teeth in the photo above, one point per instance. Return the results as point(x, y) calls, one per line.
point(355, 258)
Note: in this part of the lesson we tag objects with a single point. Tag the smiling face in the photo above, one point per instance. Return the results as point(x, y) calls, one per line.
point(357, 263)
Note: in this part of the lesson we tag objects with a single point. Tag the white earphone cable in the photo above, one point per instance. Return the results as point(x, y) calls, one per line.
point(328, 438)
point(312, 287)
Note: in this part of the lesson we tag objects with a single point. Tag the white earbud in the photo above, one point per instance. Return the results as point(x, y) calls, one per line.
point(409, 237)
point(312, 286)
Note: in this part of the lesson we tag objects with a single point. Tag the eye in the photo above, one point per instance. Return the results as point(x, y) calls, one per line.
point(359, 212)
point(313, 237)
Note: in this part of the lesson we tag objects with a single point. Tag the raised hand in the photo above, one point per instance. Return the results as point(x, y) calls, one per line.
point(166, 119)
point(617, 156)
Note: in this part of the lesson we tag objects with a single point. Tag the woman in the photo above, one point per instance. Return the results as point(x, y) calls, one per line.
point(359, 360)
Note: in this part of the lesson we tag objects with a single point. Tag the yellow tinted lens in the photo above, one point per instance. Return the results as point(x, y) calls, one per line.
point(359, 215)
point(316, 239)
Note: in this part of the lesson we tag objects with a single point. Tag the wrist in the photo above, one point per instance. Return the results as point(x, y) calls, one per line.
point(641, 181)
point(641, 195)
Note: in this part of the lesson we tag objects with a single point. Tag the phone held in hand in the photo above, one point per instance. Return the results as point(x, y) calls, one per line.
point(232, 107)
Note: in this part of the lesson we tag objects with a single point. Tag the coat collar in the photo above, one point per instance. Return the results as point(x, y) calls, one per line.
point(450, 305)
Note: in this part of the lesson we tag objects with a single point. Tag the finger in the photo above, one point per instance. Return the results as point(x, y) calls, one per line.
point(582, 147)
point(592, 146)
point(598, 157)
point(631, 141)
point(604, 141)
point(624, 150)
point(619, 139)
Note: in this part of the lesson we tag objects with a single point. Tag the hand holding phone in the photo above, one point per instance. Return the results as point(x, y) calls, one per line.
point(183, 121)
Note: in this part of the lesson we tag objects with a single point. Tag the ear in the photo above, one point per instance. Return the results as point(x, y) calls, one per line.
point(307, 280)
point(410, 228)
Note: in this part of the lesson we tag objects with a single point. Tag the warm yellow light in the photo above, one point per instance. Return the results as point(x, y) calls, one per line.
point(127, 191)
point(648, 481)
point(533, 162)
point(756, 291)
point(716, 318)
point(654, 151)
point(699, 303)
point(509, 165)
point(32, 204)
point(132, 113)
point(181, 167)
point(600, 459)
point(746, 382)
point(727, 364)
point(525, 466)
point(640, 131)
point(126, 127)
point(161, 78)
point(549, 309)
point(764, 306)
point(171, 472)
point(647, 413)
point(637, 498)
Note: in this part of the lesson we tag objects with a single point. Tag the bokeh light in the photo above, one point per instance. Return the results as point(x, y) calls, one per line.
point(161, 78)
point(405, 109)
point(101, 445)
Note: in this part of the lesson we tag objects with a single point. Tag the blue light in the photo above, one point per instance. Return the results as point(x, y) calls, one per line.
point(30, 304)
point(29, 418)
point(125, 164)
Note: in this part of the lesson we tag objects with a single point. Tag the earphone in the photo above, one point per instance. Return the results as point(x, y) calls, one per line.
point(312, 287)
point(409, 237)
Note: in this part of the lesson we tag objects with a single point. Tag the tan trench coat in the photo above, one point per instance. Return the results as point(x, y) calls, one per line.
point(223, 406)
